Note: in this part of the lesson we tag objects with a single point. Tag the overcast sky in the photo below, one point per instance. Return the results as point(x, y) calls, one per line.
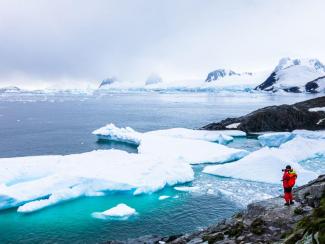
point(60, 42)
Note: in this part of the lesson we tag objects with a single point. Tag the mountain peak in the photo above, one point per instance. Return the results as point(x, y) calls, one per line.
point(220, 73)
point(287, 62)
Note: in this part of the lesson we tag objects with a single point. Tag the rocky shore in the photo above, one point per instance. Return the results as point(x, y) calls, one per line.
point(267, 221)
point(302, 115)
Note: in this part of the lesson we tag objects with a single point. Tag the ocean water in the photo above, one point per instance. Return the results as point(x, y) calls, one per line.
point(40, 124)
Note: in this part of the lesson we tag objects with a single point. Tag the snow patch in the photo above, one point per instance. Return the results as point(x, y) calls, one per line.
point(317, 109)
point(233, 126)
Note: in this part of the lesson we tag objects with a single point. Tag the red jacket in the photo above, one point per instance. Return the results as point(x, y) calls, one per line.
point(289, 178)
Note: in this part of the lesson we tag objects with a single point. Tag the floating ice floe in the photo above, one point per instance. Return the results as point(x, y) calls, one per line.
point(191, 151)
point(112, 133)
point(128, 135)
point(120, 212)
point(265, 165)
point(163, 197)
point(275, 139)
point(193, 146)
point(187, 188)
point(320, 134)
point(37, 182)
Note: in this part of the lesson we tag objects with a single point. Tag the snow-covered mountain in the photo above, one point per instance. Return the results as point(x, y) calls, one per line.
point(10, 89)
point(296, 75)
point(107, 81)
point(153, 79)
point(220, 73)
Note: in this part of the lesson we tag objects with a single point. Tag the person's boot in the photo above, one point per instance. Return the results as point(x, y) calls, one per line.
point(287, 204)
point(292, 202)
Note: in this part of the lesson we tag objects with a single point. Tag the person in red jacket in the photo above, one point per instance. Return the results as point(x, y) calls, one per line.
point(289, 180)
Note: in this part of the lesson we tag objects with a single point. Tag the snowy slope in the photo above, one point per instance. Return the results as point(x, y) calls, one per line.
point(293, 75)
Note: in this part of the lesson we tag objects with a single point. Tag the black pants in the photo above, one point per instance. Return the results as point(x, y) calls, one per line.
point(288, 189)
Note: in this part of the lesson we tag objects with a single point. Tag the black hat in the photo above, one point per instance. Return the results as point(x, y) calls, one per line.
point(288, 167)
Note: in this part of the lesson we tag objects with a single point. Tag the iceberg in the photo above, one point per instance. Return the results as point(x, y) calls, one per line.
point(191, 151)
point(163, 197)
point(275, 139)
point(112, 133)
point(120, 211)
point(128, 135)
point(265, 165)
point(310, 134)
point(192, 146)
point(48, 180)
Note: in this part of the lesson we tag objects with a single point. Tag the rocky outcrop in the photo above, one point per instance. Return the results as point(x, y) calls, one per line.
point(277, 118)
point(268, 221)
point(315, 86)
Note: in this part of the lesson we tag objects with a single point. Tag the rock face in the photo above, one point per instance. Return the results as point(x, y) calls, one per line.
point(268, 221)
point(315, 86)
point(296, 75)
point(277, 118)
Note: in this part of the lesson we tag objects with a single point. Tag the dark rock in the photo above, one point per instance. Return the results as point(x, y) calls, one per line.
point(257, 226)
point(312, 86)
point(268, 83)
point(212, 238)
point(278, 118)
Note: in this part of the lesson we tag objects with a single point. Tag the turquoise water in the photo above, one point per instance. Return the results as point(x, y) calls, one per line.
point(47, 124)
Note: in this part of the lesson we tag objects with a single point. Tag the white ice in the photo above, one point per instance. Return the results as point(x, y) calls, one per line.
point(120, 211)
point(163, 197)
point(47, 180)
point(113, 133)
point(128, 135)
point(192, 146)
point(265, 164)
point(187, 188)
point(191, 151)
point(275, 139)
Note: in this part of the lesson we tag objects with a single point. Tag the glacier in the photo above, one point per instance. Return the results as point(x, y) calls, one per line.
point(265, 165)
